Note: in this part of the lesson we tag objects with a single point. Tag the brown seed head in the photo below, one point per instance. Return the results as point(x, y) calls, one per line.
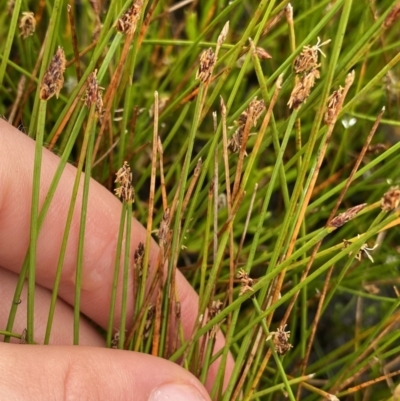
point(163, 231)
point(262, 54)
point(391, 199)
point(222, 36)
point(128, 22)
point(93, 93)
point(53, 79)
point(280, 338)
point(216, 307)
point(344, 217)
point(332, 110)
point(302, 89)
point(27, 24)
point(258, 108)
point(235, 141)
point(377, 148)
point(124, 177)
point(393, 15)
point(23, 337)
point(138, 258)
point(247, 282)
point(206, 67)
point(307, 60)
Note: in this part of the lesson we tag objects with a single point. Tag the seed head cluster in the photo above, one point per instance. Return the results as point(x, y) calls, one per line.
point(53, 79)
point(235, 142)
point(124, 178)
point(344, 217)
point(246, 281)
point(27, 24)
point(93, 93)
point(128, 22)
point(280, 338)
point(206, 67)
point(306, 68)
point(391, 199)
point(163, 231)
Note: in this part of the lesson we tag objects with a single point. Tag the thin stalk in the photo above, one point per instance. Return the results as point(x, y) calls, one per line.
point(34, 230)
point(125, 282)
point(90, 132)
point(116, 274)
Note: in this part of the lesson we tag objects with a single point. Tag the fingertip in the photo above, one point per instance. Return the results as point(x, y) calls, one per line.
point(29, 372)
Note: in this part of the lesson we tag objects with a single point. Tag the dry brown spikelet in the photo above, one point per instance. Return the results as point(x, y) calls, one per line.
point(307, 60)
point(138, 258)
point(128, 22)
point(262, 54)
point(391, 199)
point(393, 15)
point(377, 148)
point(124, 177)
point(332, 109)
point(53, 79)
point(302, 89)
point(280, 339)
point(93, 93)
point(235, 141)
point(258, 108)
point(247, 282)
point(163, 231)
point(344, 217)
point(27, 24)
point(206, 66)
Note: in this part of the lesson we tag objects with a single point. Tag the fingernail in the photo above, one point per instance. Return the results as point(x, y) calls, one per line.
point(176, 392)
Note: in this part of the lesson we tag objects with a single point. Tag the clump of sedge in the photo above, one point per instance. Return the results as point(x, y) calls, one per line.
point(391, 199)
point(27, 24)
point(53, 79)
point(124, 177)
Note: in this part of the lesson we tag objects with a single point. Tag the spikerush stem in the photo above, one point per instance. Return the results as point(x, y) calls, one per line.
point(34, 230)
point(42, 215)
point(9, 40)
point(90, 134)
point(64, 243)
point(274, 353)
point(125, 282)
point(117, 265)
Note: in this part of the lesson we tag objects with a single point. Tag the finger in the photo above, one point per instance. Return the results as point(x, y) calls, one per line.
point(62, 333)
point(82, 373)
point(17, 155)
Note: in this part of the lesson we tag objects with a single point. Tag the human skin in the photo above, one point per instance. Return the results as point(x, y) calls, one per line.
point(63, 371)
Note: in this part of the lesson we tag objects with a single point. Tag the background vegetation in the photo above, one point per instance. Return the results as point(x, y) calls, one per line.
point(252, 225)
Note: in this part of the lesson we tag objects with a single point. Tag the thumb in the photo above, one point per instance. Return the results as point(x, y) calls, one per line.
point(34, 372)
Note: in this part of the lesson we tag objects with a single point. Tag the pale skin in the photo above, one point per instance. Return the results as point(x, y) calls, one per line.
point(63, 371)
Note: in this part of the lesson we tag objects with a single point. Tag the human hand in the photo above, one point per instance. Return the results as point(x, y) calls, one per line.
point(62, 371)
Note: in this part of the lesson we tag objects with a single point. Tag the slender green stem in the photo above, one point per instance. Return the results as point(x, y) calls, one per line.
point(110, 327)
point(34, 232)
point(90, 133)
point(125, 282)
